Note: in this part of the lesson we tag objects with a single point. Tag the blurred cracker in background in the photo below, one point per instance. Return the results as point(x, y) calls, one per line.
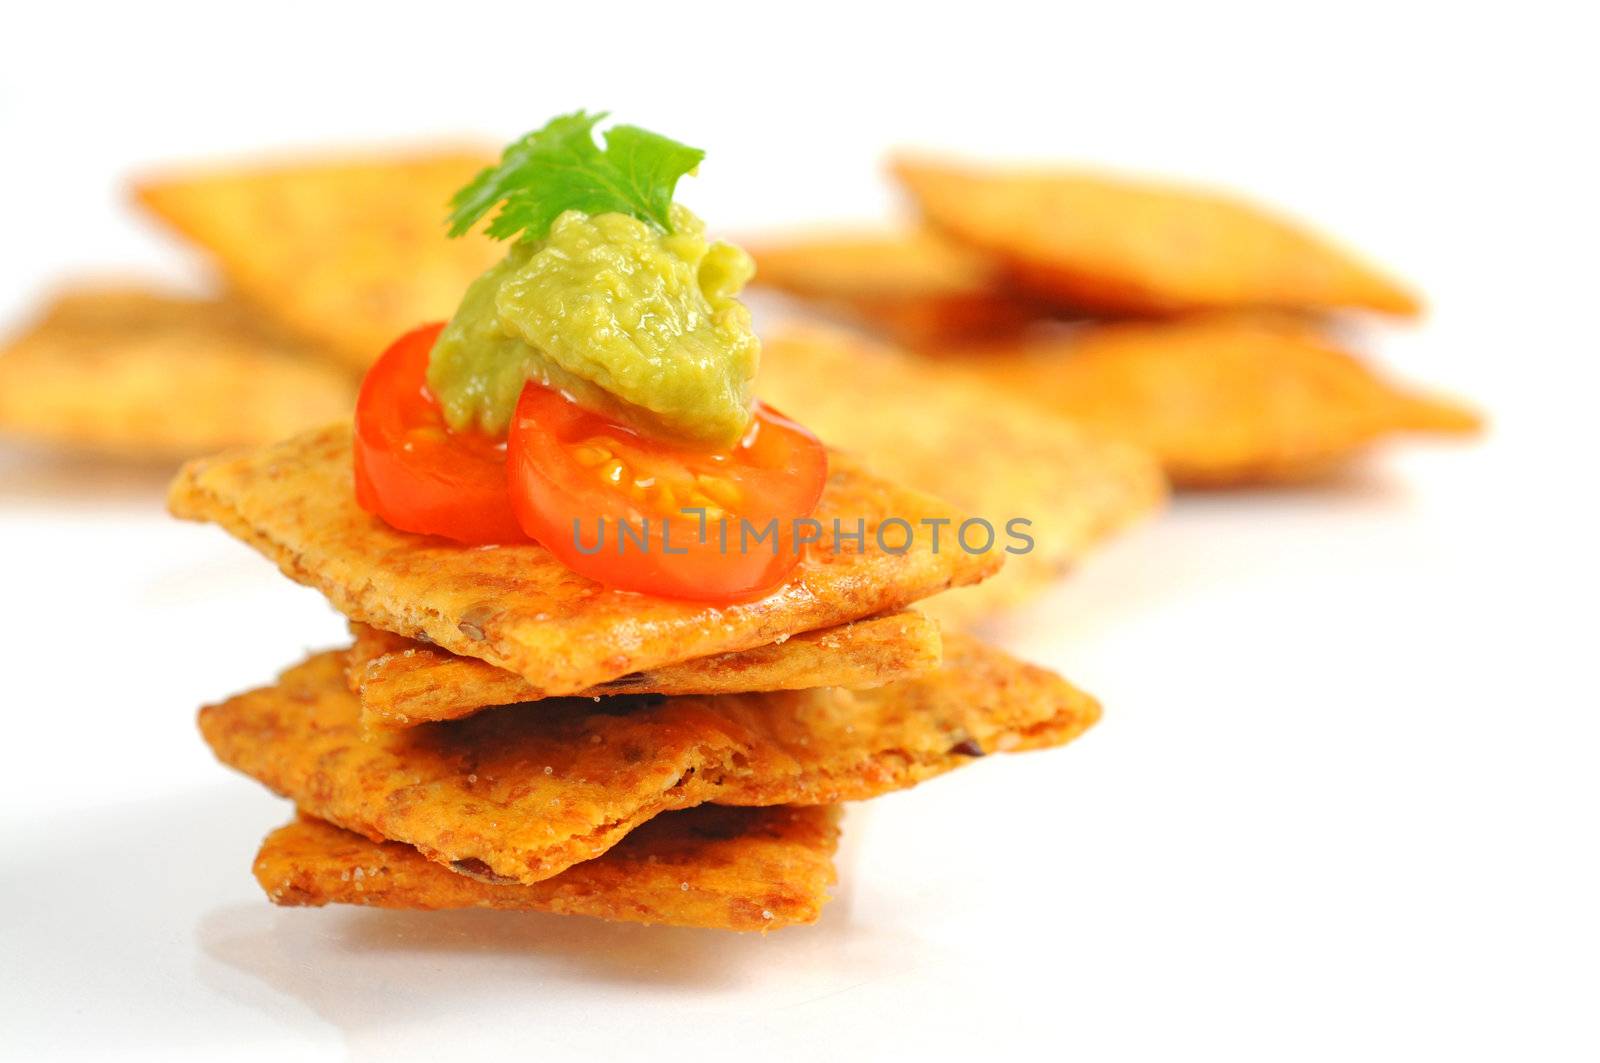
point(131, 372)
point(984, 451)
point(911, 284)
point(1220, 401)
point(1119, 245)
point(1228, 380)
point(348, 252)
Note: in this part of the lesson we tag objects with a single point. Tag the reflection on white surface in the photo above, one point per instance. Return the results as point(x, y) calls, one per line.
point(151, 905)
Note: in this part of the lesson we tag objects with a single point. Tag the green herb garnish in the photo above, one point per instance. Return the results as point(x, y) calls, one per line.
point(560, 168)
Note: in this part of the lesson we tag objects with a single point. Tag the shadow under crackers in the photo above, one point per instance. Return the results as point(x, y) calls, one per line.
point(375, 974)
point(153, 873)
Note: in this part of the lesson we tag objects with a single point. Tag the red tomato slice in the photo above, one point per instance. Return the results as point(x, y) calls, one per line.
point(566, 465)
point(415, 473)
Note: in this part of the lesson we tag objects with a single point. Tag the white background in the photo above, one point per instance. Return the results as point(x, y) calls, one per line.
point(1343, 802)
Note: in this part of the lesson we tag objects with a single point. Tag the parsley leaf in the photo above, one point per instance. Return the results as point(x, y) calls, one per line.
point(560, 168)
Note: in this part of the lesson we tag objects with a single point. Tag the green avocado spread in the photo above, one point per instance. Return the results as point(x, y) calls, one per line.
point(631, 322)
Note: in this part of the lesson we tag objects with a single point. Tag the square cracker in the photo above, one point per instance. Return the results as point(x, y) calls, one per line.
point(981, 449)
point(132, 371)
point(516, 795)
point(519, 608)
point(404, 683)
point(350, 252)
point(1222, 400)
point(711, 867)
point(1103, 242)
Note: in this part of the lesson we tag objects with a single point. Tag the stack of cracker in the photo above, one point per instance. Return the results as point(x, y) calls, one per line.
point(1202, 329)
point(504, 733)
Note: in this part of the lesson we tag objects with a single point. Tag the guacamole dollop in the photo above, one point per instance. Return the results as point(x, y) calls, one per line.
point(629, 321)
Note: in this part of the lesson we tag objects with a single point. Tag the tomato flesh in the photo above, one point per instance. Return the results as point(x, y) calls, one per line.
point(412, 470)
point(639, 515)
point(629, 512)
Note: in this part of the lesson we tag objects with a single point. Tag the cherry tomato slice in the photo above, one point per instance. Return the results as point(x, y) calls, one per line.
point(415, 473)
point(576, 479)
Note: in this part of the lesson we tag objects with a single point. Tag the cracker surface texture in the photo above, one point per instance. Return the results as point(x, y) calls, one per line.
point(517, 795)
point(710, 867)
point(519, 608)
point(404, 683)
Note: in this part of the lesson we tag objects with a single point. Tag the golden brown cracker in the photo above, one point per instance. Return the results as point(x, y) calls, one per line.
point(519, 608)
point(349, 252)
point(712, 867)
point(523, 795)
point(134, 372)
point(983, 450)
point(1102, 242)
point(912, 284)
point(1220, 401)
point(404, 683)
